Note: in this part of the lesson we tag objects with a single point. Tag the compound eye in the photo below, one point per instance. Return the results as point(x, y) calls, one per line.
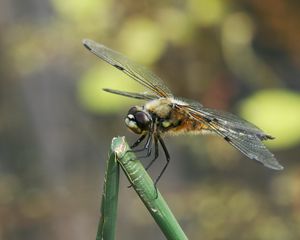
point(132, 111)
point(143, 120)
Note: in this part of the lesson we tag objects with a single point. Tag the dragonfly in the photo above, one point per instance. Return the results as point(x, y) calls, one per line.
point(164, 114)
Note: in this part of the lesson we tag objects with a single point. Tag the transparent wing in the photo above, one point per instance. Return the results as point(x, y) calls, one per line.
point(141, 96)
point(241, 134)
point(132, 69)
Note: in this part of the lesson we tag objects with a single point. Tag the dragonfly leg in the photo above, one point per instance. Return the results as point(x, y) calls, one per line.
point(155, 154)
point(147, 146)
point(167, 159)
point(137, 142)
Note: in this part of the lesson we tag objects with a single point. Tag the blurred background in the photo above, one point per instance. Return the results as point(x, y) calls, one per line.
point(56, 124)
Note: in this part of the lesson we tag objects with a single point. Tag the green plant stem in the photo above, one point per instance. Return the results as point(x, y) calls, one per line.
point(143, 185)
point(107, 223)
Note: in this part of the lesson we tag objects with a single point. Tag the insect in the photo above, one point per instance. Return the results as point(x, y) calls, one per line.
point(165, 114)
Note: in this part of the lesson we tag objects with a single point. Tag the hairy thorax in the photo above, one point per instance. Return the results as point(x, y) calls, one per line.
point(173, 121)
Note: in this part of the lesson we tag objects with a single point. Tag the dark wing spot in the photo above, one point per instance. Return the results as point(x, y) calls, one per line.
point(215, 120)
point(270, 137)
point(119, 67)
point(87, 46)
point(264, 137)
point(208, 120)
point(227, 139)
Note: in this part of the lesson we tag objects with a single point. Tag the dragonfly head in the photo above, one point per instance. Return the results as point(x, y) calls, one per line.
point(138, 120)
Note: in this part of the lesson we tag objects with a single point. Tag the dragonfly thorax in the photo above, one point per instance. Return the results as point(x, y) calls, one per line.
point(138, 120)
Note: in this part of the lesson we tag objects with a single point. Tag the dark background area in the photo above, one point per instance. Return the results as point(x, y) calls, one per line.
point(56, 124)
